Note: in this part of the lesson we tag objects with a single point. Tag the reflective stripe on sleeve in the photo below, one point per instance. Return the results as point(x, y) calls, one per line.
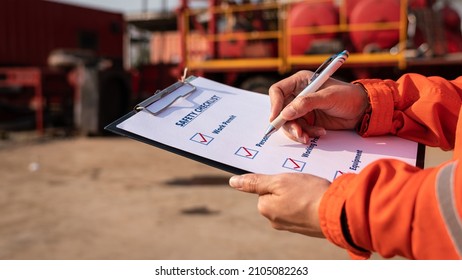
point(447, 203)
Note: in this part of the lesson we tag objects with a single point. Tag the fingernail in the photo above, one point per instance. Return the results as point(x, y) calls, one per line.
point(304, 139)
point(294, 132)
point(288, 112)
point(321, 132)
point(234, 181)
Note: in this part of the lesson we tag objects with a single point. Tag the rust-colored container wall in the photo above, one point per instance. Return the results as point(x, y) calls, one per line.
point(31, 29)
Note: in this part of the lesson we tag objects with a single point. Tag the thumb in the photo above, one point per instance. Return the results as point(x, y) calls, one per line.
point(251, 183)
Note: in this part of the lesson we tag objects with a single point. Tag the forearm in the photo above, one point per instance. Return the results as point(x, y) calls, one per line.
point(394, 208)
point(391, 208)
point(414, 107)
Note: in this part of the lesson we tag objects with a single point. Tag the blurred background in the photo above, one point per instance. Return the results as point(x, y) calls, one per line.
point(69, 190)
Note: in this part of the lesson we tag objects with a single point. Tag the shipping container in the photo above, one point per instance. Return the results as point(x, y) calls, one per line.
point(65, 44)
point(31, 29)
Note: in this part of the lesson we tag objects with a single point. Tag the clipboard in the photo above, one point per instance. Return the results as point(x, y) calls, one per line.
point(222, 126)
point(165, 98)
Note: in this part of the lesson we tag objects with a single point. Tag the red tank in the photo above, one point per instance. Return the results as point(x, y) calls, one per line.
point(372, 11)
point(310, 15)
point(452, 32)
point(350, 5)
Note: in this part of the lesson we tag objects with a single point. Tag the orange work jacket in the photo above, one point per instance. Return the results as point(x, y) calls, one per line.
point(393, 208)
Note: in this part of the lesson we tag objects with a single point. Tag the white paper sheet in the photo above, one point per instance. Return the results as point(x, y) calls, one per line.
point(226, 125)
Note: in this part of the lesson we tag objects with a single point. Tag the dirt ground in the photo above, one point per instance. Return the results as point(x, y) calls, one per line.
point(115, 198)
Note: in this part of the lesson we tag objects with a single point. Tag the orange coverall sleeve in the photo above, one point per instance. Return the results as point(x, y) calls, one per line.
point(393, 208)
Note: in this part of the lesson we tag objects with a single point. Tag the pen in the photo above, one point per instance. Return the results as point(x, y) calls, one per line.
point(320, 76)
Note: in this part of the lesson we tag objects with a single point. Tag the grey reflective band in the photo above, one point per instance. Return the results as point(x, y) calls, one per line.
point(447, 203)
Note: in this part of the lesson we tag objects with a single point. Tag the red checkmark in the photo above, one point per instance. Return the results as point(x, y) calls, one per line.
point(296, 165)
point(203, 138)
point(247, 151)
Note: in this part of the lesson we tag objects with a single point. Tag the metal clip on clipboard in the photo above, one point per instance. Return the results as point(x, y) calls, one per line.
point(163, 99)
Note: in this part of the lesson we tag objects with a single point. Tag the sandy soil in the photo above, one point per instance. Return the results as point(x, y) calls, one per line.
point(115, 198)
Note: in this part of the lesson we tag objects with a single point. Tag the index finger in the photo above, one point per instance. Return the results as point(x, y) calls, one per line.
point(287, 88)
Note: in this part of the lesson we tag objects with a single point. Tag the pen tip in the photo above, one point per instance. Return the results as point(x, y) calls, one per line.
point(271, 129)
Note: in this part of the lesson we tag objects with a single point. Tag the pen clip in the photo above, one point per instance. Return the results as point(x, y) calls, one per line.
point(322, 67)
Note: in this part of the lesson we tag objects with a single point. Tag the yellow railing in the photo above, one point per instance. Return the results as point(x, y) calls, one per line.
point(284, 61)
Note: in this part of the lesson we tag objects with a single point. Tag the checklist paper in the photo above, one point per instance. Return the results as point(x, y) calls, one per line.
point(224, 127)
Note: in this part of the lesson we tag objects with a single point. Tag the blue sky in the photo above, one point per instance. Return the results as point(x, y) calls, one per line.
point(124, 6)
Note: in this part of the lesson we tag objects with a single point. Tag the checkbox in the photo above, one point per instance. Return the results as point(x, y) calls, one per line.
point(246, 152)
point(201, 139)
point(293, 164)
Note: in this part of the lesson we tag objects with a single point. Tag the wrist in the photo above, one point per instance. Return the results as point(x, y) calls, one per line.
point(366, 102)
point(365, 108)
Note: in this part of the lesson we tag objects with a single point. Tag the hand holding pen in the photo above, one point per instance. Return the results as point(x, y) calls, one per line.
point(319, 77)
point(336, 105)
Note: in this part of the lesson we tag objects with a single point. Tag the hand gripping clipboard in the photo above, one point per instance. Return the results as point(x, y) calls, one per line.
point(223, 126)
point(163, 99)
